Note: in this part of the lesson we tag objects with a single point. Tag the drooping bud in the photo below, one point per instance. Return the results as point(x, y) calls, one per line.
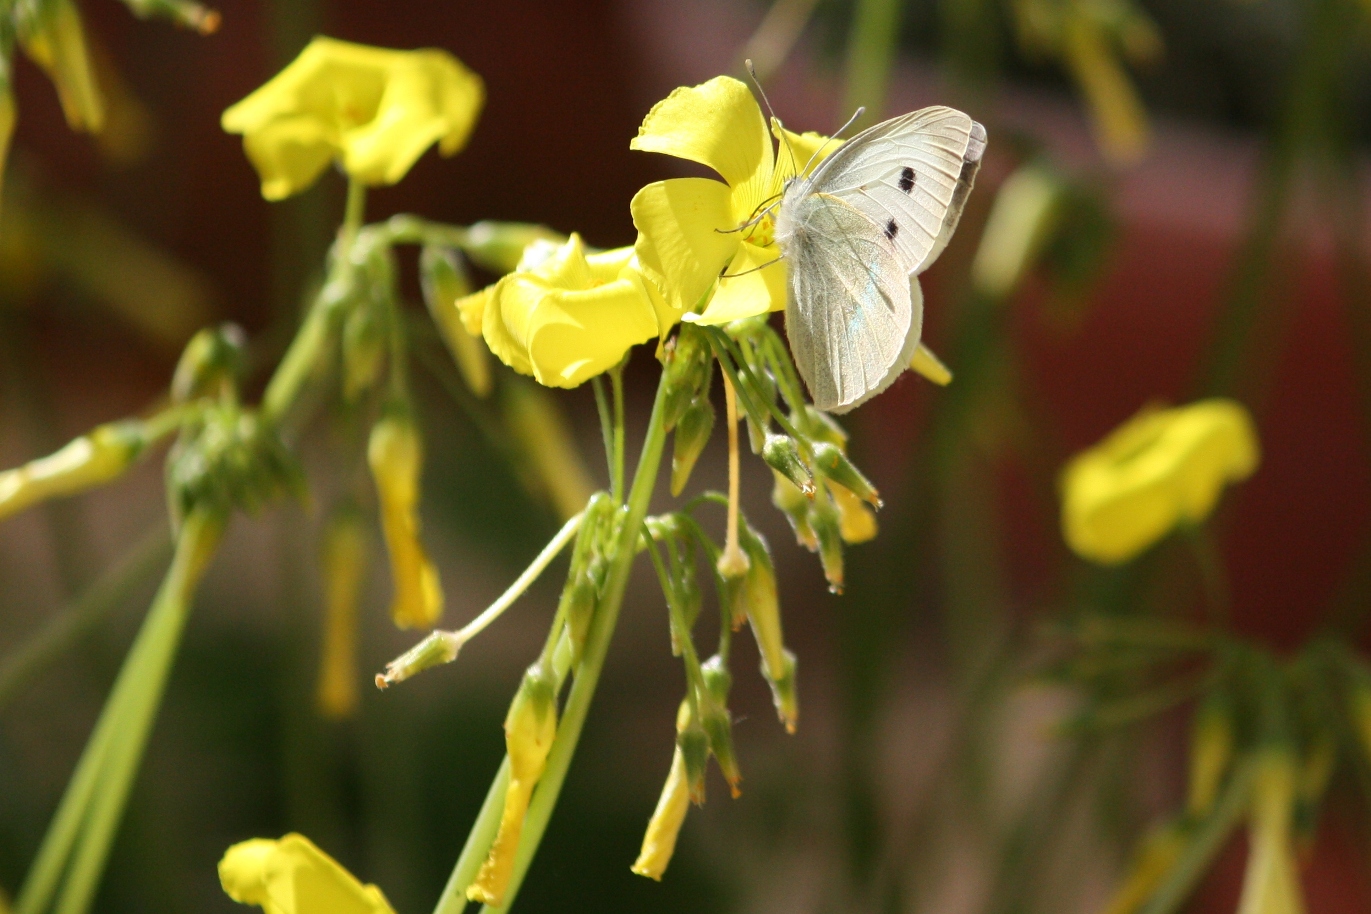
point(444, 282)
point(343, 563)
point(499, 246)
point(1211, 751)
point(435, 650)
point(1153, 860)
point(830, 460)
point(691, 436)
point(718, 722)
point(211, 362)
point(1022, 218)
point(293, 876)
point(791, 502)
point(52, 36)
point(364, 350)
point(693, 743)
point(782, 454)
point(395, 454)
point(91, 460)
point(1271, 883)
point(688, 372)
point(530, 730)
point(551, 462)
point(659, 842)
point(823, 519)
point(856, 520)
point(930, 366)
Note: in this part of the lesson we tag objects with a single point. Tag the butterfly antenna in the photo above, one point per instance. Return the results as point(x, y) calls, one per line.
point(818, 152)
point(762, 92)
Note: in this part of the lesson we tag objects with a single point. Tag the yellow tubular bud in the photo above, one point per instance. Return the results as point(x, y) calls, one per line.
point(89, 461)
point(659, 842)
point(930, 366)
point(1120, 123)
point(444, 284)
point(344, 562)
point(1271, 883)
point(395, 454)
point(764, 613)
point(554, 464)
point(530, 729)
point(689, 440)
point(791, 501)
point(293, 876)
point(8, 116)
point(56, 42)
point(1022, 218)
point(1152, 861)
point(856, 520)
point(1211, 750)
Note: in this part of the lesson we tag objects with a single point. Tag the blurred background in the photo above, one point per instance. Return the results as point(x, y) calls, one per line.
point(1206, 237)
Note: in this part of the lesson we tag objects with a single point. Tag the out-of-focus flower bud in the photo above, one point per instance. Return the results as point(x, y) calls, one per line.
point(689, 369)
point(8, 113)
point(1271, 883)
point(344, 564)
point(292, 876)
point(396, 457)
point(782, 454)
point(688, 442)
point(762, 387)
point(1117, 114)
point(211, 362)
point(793, 503)
point(444, 282)
point(1211, 751)
point(552, 463)
point(823, 519)
point(1317, 763)
point(1152, 861)
point(364, 347)
point(499, 246)
point(659, 843)
point(930, 366)
point(718, 722)
point(229, 458)
point(89, 461)
point(530, 729)
point(693, 743)
point(1021, 220)
point(830, 460)
point(52, 36)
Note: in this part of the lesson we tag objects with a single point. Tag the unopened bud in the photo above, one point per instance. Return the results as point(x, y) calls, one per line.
point(211, 362)
point(395, 455)
point(530, 730)
point(833, 464)
point(1021, 219)
point(581, 599)
point(791, 502)
point(659, 842)
point(343, 564)
point(1272, 877)
point(691, 436)
point(930, 366)
point(435, 650)
point(1211, 751)
point(782, 454)
point(364, 350)
point(444, 282)
point(52, 36)
point(762, 605)
point(688, 370)
point(783, 693)
point(499, 246)
point(823, 518)
point(91, 460)
point(856, 520)
point(718, 722)
point(693, 743)
point(762, 386)
point(1152, 862)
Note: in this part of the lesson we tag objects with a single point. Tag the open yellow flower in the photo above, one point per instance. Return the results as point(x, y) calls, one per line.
point(687, 240)
point(292, 876)
point(565, 316)
point(373, 109)
point(1162, 468)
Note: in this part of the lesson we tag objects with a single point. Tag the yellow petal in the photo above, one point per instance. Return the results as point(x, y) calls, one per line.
point(682, 243)
point(395, 455)
point(754, 283)
point(717, 124)
point(659, 842)
point(800, 152)
point(292, 876)
point(472, 308)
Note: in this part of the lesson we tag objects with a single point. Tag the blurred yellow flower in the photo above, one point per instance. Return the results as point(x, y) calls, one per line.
point(373, 109)
point(292, 876)
point(686, 240)
point(565, 316)
point(1161, 469)
point(396, 457)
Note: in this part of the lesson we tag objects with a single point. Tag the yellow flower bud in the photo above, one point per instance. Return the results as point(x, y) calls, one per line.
point(764, 613)
point(551, 462)
point(856, 520)
point(782, 454)
point(344, 563)
point(689, 440)
point(1151, 864)
point(925, 363)
point(659, 843)
point(823, 519)
point(292, 876)
point(530, 729)
point(395, 454)
point(791, 502)
point(8, 115)
point(1211, 750)
point(1161, 469)
point(1025, 210)
point(444, 284)
point(499, 246)
point(832, 462)
point(1117, 114)
point(52, 36)
point(1271, 884)
point(91, 460)
point(374, 110)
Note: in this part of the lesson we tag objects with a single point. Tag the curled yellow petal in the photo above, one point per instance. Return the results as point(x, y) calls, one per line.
point(659, 842)
point(395, 455)
point(1160, 469)
point(373, 109)
point(680, 245)
point(293, 876)
point(753, 283)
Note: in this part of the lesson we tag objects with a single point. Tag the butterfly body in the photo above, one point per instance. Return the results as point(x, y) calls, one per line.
point(855, 232)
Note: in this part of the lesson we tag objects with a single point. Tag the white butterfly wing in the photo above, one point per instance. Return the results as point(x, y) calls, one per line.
point(910, 176)
point(851, 320)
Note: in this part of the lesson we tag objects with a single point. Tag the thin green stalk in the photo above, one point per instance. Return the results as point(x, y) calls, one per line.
point(1213, 580)
point(606, 432)
point(74, 620)
point(95, 796)
point(587, 675)
point(616, 378)
point(355, 212)
point(482, 835)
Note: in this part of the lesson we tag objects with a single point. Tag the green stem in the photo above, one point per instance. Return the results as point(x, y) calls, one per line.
point(606, 432)
point(74, 620)
point(616, 378)
point(355, 212)
point(587, 675)
point(90, 810)
point(1212, 578)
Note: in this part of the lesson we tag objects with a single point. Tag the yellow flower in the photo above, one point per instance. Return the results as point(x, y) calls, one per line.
point(565, 316)
point(686, 240)
point(1161, 469)
point(396, 456)
point(292, 876)
point(374, 109)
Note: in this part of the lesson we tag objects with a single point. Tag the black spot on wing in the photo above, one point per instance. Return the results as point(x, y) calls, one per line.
point(891, 229)
point(906, 179)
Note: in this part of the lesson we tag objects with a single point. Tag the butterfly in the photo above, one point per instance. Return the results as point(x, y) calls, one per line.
point(856, 232)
